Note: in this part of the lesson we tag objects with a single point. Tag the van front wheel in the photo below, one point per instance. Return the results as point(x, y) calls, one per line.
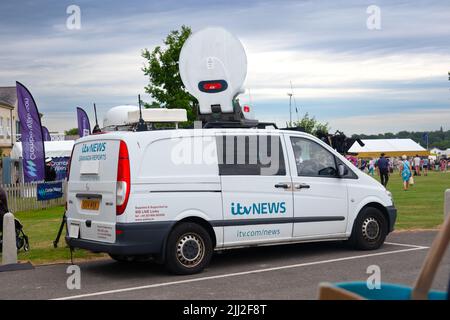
point(189, 249)
point(370, 229)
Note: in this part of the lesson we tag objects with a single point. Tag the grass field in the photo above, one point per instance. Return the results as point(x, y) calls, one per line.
point(419, 208)
point(41, 226)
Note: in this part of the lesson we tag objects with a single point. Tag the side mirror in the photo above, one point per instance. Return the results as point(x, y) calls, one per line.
point(342, 170)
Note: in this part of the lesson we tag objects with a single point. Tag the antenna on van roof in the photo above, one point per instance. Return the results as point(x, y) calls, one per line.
point(141, 124)
point(96, 127)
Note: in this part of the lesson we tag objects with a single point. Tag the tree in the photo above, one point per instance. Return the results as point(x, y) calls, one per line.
point(165, 85)
point(310, 125)
point(71, 132)
point(437, 138)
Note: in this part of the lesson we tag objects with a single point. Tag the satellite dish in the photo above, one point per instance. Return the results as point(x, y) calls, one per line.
point(213, 67)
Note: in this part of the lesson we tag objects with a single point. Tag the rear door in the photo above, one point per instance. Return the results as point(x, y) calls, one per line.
point(256, 189)
point(91, 194)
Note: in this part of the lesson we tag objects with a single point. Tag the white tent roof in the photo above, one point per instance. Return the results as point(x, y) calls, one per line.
point(53, 149)
point(387, 145)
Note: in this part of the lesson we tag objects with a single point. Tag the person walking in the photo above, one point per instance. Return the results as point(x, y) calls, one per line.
point(371, 167)
point(416, 161)
point(405, 172)
point(383, 170)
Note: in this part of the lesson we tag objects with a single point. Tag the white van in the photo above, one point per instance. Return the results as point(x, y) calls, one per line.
point(178, 195)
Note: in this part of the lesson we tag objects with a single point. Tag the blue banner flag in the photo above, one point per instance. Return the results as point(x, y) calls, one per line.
point(84, 127)
point(33, 152)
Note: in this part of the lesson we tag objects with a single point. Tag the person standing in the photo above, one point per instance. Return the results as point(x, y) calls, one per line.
point(50, 172)
point(383, 170)
point(426, 164)
point(416, 161)
point(3, 206)
point(405, 172)
point(443, 164)
point(363, 165)
point(371, 166)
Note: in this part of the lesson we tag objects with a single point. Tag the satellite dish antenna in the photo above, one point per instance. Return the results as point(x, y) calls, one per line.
point(213, 67)
point(96, 127)
point(141, 124)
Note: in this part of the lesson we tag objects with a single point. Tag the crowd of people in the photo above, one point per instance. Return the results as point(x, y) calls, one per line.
point(407, 167)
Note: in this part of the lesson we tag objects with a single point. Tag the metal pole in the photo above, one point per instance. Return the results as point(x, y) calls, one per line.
point(95, 113)
point(290, 108)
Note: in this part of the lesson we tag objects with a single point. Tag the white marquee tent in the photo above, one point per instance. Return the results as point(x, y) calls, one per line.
point(391, 147)
point(53, 149)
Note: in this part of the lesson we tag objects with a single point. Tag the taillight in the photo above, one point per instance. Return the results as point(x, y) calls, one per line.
point(68, 173)
point(123, 179)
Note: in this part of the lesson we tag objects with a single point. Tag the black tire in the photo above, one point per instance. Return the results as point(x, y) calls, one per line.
point(122, 258)
point(189, 249)
point(369, 230)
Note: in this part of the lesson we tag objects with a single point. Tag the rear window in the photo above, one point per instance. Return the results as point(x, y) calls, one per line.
point(94, 160)
point(250, 155)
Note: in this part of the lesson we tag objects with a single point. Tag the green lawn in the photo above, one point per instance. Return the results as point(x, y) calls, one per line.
point(422, 206)
point(41, 226)
point(419, 208)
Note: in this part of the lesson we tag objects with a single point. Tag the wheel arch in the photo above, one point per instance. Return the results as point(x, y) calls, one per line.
point(377, 206)
point(203, 223)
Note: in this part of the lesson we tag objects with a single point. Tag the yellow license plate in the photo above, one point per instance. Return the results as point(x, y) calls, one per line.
point(88, 204)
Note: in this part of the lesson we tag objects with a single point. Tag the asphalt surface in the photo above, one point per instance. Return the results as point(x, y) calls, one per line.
point(273, 272)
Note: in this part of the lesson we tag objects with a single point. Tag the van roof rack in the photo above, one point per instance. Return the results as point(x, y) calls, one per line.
point(239, 124)
point(301, 129)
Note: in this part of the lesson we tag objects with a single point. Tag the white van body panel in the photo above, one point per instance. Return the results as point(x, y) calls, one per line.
point(175, 176)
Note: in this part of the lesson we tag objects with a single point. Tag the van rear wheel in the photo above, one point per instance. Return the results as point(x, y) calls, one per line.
point(189, 249)
point(370, 229)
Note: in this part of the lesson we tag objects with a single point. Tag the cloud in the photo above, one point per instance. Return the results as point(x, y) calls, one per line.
point(337, 66)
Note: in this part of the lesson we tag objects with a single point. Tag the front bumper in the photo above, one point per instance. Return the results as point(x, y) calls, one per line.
point(134, 239)
point(392, 214)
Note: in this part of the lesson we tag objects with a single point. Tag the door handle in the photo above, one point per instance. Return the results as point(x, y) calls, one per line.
point(283, 185)
point(302, 186)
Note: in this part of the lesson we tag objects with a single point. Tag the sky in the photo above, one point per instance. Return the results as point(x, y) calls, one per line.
point(358, 71)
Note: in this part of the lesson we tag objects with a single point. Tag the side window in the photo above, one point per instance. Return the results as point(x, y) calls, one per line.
point(349, 174)
point(250, 155)
point(312, 159)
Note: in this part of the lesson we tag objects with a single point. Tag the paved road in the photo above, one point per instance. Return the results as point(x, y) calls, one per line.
point(275, 272)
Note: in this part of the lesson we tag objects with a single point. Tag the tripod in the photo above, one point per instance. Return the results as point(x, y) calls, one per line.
point(63, 222)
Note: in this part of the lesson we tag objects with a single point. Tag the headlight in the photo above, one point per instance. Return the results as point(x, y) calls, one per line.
point(390, 196)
